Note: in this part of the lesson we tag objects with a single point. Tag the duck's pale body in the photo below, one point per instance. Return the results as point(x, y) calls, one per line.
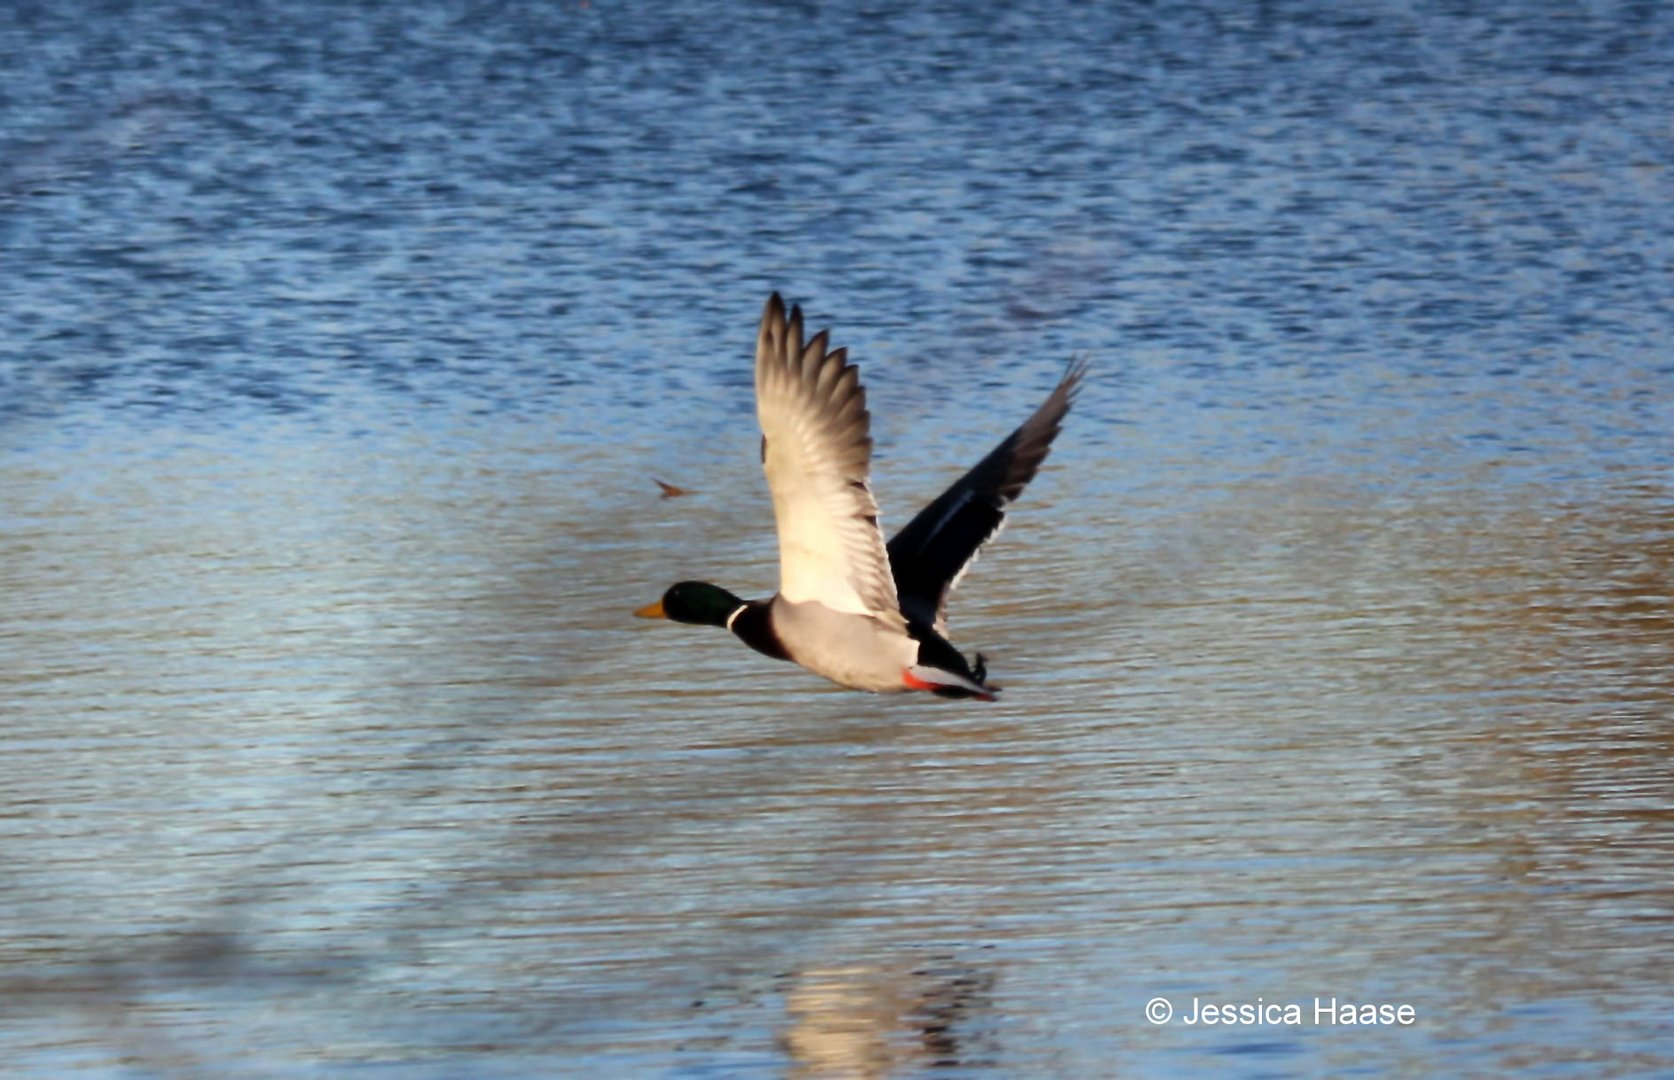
point(849, 649)
point(861, 613)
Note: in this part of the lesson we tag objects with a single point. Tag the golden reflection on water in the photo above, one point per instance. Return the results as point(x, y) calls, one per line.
point(868, 1022)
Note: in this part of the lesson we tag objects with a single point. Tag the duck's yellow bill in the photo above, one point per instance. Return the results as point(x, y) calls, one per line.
point(652, 611)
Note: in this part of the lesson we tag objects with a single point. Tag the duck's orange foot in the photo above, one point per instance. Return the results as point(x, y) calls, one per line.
point(944, 683)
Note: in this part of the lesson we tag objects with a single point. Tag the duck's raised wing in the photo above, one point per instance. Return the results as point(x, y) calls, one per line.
point(817, 451)
point(933, 552)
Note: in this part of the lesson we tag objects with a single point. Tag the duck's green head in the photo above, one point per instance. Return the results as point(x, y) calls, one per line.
point(696, 602)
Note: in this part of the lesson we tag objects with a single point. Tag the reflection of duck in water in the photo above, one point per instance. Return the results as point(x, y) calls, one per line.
point(862, 614)
point(871, 1023)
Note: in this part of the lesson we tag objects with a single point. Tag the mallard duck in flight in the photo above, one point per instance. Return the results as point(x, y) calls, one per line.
point(849, 607)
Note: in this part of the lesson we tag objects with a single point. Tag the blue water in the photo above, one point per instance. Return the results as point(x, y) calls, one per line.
point(338, 350)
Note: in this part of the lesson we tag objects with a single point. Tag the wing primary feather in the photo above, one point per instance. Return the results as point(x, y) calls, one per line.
point(931, 554)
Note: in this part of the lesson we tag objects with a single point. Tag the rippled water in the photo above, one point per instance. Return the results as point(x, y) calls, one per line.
point(337, 354)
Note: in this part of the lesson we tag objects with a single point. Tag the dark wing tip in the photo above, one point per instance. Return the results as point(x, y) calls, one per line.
point(1074, 373)
point(771, 331)
point(1022, 455)
point(780, 333)
point(793, 331)
point(1048, 419)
